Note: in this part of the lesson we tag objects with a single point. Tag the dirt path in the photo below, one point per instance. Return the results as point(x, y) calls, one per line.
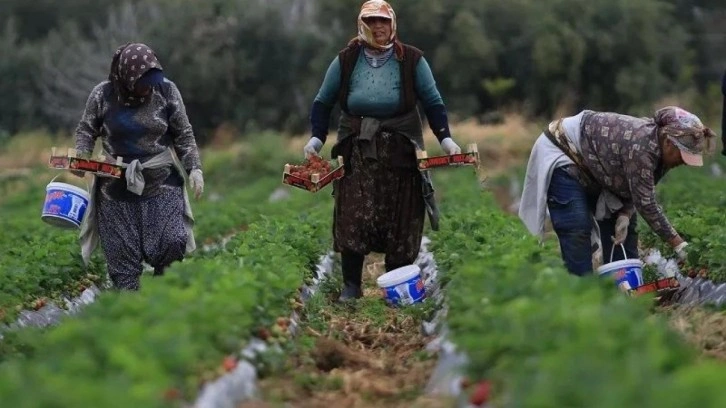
point(703, 328)
point(361, 355)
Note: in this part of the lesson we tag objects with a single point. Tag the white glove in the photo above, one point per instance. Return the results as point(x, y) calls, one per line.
point(621, 229)
point(681, 250)
point(450, 147)
point(197, 182)
point(313, 147)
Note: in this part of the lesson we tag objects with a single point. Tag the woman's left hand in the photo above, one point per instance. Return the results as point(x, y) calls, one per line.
point(197, 182)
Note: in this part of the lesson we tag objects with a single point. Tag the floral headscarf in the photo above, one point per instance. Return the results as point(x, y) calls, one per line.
point(376, 8)
point(130, 62)
point(686, 131)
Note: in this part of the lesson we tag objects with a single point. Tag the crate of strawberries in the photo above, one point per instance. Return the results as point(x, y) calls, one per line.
point(470, 158)
point(314, 174)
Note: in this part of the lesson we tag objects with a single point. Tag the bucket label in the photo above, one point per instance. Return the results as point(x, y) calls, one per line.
point(76, 205)
point(405, 293)
point(628, 278)
point(64, 205)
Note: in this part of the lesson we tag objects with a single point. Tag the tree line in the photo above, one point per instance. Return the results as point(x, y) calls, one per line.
point(257, 64)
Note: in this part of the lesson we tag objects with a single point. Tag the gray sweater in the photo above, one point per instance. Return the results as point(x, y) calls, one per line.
point(139, 133)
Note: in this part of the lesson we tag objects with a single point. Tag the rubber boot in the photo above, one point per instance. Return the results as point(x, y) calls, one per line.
point(352, 276)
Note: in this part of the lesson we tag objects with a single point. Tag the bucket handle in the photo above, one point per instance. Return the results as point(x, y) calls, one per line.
point(612, 252)
point(88, 185)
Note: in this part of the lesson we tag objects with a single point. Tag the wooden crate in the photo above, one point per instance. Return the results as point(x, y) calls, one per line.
point(317, 181)
point(470, 158)
point(99, 167)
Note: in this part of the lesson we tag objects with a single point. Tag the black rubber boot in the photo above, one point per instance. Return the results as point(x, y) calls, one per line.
point(352, 276)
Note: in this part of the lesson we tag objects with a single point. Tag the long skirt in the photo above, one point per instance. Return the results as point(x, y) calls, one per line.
point(132, 232)
point(379, 205)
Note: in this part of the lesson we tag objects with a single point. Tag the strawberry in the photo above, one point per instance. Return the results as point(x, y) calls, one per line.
point(229, 363)
point(38, 304)
point(263, 334)
point(480, 396)
point(172, 394)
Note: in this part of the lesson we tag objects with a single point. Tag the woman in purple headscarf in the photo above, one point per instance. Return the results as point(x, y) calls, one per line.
point(145, 215)
point(593, 172)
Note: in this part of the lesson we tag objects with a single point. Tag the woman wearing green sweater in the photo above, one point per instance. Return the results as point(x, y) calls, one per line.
point(380, 204)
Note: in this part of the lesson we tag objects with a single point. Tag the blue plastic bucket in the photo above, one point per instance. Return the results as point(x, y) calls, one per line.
point(65, 205)
point(402, 286)
point(627, 273)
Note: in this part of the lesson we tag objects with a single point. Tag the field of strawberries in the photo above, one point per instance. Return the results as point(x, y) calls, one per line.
point(532, 336)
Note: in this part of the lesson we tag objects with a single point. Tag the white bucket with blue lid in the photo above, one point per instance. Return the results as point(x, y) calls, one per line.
point(65, 205)
point(627, 273)
point(402, 286)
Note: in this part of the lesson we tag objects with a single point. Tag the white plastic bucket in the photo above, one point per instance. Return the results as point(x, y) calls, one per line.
point(627, 273)
point(65, 205)
point(402, 286)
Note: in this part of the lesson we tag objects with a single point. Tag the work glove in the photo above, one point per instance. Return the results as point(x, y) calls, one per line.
point(450, 147)
point(681, 250)
point(196, 180)
point(312, 148)
point(621, 229)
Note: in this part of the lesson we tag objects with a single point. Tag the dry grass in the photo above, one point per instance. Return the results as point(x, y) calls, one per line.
point(500, 146)
point(705, 329)
point(360, 360)
point(29, 150)
point(497, 143)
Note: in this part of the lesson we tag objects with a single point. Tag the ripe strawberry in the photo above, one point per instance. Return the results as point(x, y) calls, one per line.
point(229, 363)
point(481, 393)
point(172, 394)
point(263, 333)
point(38, 304)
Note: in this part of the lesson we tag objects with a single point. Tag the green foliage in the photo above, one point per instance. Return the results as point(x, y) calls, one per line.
point(130, 349)
point(39, 261)
point(543, 337)
point(258, 64)
point(700, 219)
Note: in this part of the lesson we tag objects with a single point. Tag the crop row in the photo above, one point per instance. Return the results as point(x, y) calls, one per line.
point(41, 264)
point(155, 347)
point(545, 338)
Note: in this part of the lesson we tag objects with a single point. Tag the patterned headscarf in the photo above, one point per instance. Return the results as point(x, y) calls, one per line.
point(130, 62)
point(686, 131)
point(376, 8)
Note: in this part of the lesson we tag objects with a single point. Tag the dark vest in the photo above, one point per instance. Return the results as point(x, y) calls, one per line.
point(409, 59)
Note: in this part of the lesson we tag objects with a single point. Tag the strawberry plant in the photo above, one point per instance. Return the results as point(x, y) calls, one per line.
point(154, 348)
point(540, 336)
point(694, 200)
